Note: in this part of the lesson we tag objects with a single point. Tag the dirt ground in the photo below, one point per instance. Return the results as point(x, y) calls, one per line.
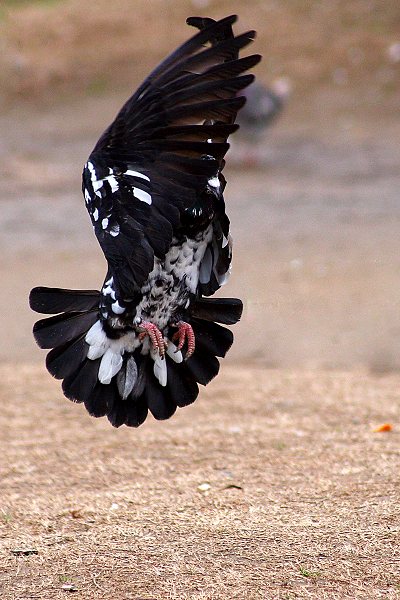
point(274, 484)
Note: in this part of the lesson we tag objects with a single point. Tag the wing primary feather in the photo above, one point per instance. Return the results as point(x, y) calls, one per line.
point(187, 48)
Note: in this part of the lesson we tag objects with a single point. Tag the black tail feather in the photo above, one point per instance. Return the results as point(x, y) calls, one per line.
point(203, 366)
point(57, 330)
point(79, 386)
point(131, 412)
point(135, 412)
point(159, 399)
point(117, 415)
point(102, 399)
point(211, 337)
point(222, 310)
point(64, 360)
point(51, 301)
point(181, 384)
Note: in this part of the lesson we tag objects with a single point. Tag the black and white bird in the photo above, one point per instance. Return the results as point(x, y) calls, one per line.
point(153, 187)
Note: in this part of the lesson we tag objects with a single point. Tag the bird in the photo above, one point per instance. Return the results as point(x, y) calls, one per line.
point(263, 106)
point(154, 190)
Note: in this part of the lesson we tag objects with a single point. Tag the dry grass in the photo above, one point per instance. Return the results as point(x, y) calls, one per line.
point(301, 502)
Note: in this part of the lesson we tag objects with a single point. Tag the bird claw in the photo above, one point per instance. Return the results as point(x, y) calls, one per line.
point(155, 335)
point(184, 334)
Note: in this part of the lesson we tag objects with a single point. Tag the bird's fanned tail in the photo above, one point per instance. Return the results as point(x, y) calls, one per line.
point(134, 388)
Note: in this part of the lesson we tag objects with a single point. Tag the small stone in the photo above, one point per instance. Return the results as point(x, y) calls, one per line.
point(69, 587)
point(204, 487)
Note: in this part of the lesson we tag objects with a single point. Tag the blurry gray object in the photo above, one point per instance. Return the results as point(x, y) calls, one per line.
point(263, 106)
point(393, 52)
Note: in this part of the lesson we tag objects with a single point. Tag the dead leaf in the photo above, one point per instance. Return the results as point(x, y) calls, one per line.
point(384, 427)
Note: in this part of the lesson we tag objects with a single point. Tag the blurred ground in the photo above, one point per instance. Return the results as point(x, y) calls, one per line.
point(316, 261)
point(54, 46)
point(315, 227)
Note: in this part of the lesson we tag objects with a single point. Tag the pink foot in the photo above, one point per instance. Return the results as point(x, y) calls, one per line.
point(155, 335)
point(184, 334)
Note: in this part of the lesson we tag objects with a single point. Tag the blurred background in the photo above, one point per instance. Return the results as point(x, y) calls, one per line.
point(314, 198)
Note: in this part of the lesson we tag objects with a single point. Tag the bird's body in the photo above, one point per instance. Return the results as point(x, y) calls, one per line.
point(153, 187)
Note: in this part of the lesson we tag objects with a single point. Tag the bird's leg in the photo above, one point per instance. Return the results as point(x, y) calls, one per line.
point(184, 334)
point(155, 335)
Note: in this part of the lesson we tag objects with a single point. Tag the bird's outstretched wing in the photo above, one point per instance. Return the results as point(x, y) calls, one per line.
point(164, 150)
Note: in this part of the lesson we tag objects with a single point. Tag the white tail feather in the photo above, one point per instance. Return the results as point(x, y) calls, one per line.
point(96, 335)
point(127, 378)
point(160, 367)
point(174, 353)
point(109, 366)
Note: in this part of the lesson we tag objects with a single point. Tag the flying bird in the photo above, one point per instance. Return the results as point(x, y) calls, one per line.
point(153, 187)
